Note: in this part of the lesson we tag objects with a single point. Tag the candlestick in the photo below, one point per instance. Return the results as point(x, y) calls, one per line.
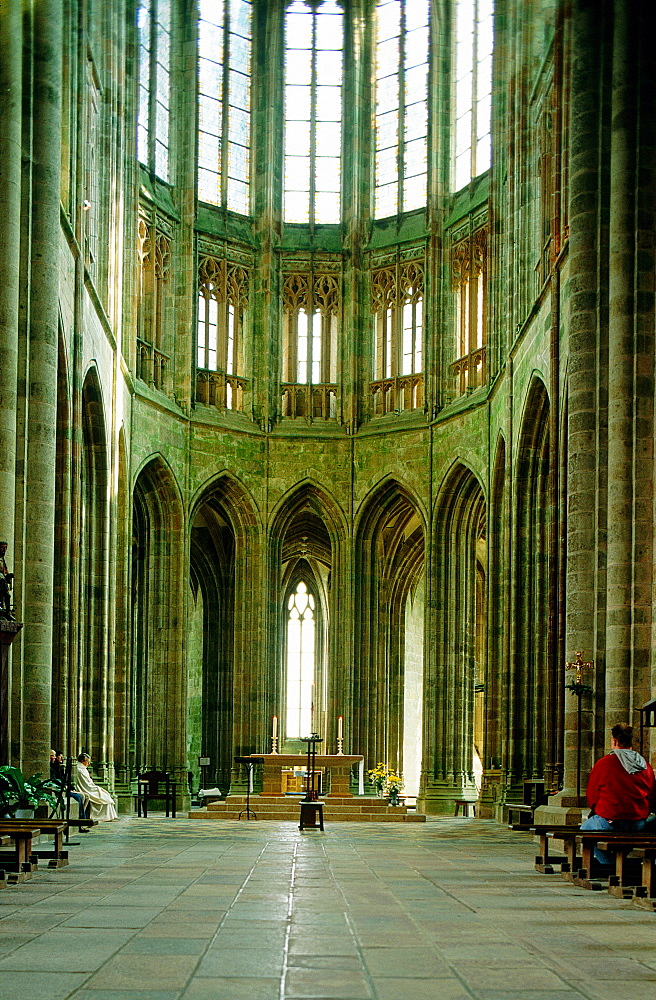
point(274, 735)
point(340, 736)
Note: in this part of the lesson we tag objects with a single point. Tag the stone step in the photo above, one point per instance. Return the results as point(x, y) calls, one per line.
point(292, 816)
point(340, 809)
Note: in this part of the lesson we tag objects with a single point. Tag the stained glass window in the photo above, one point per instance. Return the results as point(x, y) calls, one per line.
point(300, 661)
point(153, 104)
point(224, 81)
point(402, 47)
point(313, 112)
point(474, 29)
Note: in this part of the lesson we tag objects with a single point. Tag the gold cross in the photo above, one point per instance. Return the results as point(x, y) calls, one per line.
point(579, 666)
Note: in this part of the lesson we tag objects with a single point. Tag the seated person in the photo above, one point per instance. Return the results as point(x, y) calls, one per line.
point(58, 774)
point(99, 799)
point(621, 789)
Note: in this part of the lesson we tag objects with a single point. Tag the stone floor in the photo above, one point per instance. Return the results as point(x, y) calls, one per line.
point(165, 909)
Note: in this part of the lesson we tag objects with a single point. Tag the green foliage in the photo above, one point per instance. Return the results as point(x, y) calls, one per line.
point(19, 792)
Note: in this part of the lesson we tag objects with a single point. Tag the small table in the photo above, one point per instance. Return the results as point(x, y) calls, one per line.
point(310, 812)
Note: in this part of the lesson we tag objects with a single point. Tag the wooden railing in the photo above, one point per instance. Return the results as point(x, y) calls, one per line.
point(314, 402)
point(226, 392)
point(152, 365)
point(398, 393)
point(469, 372)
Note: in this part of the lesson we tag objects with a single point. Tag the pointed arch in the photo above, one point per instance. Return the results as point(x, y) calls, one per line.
point(389, 563)
point(306, 542)
point(157, 691)
point(532, 695)
point(93, 626)
point(225, 654)
point(459, 582)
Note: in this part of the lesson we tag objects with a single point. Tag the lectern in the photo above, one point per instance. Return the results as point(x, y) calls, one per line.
point(311, 808)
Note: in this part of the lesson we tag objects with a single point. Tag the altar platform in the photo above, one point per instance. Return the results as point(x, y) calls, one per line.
point(339, 804)
point(336, 809)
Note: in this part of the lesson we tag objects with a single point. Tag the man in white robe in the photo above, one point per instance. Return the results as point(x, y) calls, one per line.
point(99, 799)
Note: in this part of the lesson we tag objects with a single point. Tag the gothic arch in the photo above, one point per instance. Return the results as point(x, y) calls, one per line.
point(389, 563)
point(225, 655)
point(533, 696)
point(157, 689)
point(459, 583)
point(306, 540)
point(93, 670)
point(496, 723)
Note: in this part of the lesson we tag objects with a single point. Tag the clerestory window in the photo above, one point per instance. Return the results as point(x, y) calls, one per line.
point(224, 103)
point(313, 112)
point(154, 104)
point(222, 302)
point(402, 46)
point(474, 35)
point(469, 269)
point(311, 308)
point(397, 305)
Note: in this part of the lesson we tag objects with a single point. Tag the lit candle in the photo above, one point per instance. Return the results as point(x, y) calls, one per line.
point(340, 727)
point(275, 726)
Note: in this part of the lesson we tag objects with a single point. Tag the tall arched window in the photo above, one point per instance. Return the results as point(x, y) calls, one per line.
point(300, 662)
point(153, 113)
point(222, 303)
point(224, 67)
point(313, 111)
point(401, 105)
point(474, 31)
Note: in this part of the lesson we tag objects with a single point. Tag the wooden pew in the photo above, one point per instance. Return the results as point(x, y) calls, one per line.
point(544, 861)
point(19, 862)
point(57, 857)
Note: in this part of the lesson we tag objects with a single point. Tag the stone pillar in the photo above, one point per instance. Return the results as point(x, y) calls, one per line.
point(630, 384)
point(585, 478)
point(11, 17)
point(42, 386)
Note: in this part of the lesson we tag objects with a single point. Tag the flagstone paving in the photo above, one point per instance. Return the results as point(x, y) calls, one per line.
point(163, 909)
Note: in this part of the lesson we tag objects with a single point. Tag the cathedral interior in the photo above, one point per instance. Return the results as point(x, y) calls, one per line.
point(327, 386)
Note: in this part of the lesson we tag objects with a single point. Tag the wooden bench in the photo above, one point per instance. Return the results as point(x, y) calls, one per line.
point(545, 861)
point(632, 870)
point(20, 861)
point(57, 857)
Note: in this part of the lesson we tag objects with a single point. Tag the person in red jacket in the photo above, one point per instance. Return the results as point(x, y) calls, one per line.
point(621, 789)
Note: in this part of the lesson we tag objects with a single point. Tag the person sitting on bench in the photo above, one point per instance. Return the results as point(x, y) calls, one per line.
point(58, 774)
point(621, 789)
point(102, 804)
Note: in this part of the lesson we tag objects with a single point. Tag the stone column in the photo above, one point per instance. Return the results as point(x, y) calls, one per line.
point(585, 479)
point(630, 382)
point(42, 386)
point(10, 195)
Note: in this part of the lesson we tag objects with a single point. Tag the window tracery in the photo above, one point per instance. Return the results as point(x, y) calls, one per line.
point(397, 305)
point(469, 273)
point(300, 661)
point(311, 309)
point(222, 302)
point(154, 240)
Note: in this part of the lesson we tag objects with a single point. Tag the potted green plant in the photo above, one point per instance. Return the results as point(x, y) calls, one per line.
point(20, 795)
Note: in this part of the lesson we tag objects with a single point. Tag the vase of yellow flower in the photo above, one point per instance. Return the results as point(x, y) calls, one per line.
point(394, 785)
point(377, 777)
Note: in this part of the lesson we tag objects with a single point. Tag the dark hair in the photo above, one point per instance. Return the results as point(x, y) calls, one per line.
point(83, 756)
point(623, 733)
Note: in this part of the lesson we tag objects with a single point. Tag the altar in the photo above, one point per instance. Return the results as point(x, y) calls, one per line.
point(339, 766)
